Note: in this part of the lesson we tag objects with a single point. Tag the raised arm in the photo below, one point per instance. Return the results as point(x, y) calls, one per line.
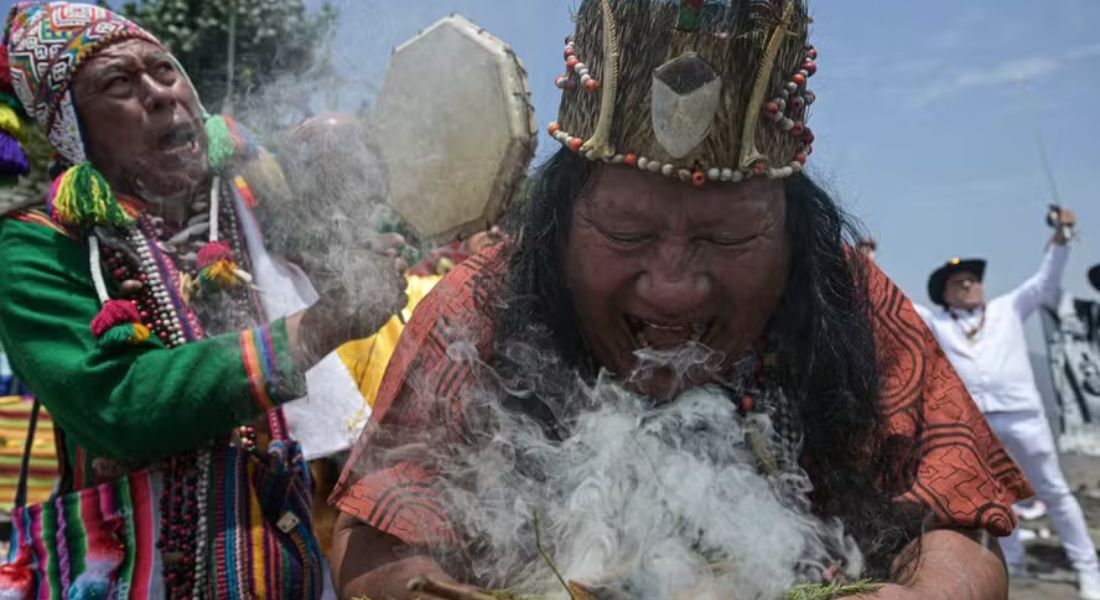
point(1042, 287)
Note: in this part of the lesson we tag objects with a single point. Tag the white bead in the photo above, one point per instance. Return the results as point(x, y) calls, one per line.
point(792, 87)
point(786, 124)
point(796, 166)
point(643, 162)
point(568, 140)
point(583, 72)
point(781, 102)
point(714, 174)
point(654, 166)
point(580, 67)
point(560, 136)
point(667, 170)
point(685, 175)
point(591, 155)
point(804, 73)
point(727, 174)
point(738, 175)
point(618, 159)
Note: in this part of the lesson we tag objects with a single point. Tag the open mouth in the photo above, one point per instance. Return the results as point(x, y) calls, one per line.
point(180, 139)
point(648, 333)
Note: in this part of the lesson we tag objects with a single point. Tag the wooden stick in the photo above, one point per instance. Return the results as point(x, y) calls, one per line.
point(450, 591)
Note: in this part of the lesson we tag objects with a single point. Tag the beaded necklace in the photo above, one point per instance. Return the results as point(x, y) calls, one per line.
point(148, 277)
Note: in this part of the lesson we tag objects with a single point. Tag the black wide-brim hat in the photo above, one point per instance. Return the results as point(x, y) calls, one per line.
point(938, 281)
point(1094, 277)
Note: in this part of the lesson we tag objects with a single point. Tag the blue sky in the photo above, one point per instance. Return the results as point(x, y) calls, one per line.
point(927, 119)
point(926, 122)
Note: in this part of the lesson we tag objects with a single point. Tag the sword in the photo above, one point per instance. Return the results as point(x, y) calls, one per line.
point(1054, 209)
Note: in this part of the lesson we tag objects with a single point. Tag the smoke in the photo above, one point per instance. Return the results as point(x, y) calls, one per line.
point(634, 499)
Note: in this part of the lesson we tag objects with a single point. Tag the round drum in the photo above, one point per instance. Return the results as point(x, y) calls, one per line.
point(456, 129)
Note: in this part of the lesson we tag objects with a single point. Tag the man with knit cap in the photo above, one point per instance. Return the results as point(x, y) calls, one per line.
point(141, 308)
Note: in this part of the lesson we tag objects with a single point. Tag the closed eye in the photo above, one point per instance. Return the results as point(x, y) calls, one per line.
point(728, 240)
point(627, 238)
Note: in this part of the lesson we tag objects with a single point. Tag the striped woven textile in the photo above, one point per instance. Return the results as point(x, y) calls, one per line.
point(15, 414)
point(106, 544)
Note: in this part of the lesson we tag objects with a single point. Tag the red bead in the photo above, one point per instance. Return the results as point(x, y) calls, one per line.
point(560, 81)
point(808, 136)
point(759, 168)
point(798, 129)
point(809, 67)
point(800, 157)
point(576, 144)
point(698, 179)
point(571, 63)
point(747, 403)
point(553, 129)
point(569, 52)
point(772, 107)
point(631, 159)
point(799, 79)
point(592, 85)
point(812, 53)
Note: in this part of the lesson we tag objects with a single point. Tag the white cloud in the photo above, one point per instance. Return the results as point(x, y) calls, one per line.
point(1010, 72)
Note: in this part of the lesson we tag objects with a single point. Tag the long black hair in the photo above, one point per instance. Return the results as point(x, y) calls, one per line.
point(826, 344)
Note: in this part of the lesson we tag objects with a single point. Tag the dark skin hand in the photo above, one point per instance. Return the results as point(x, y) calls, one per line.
point(367, 562)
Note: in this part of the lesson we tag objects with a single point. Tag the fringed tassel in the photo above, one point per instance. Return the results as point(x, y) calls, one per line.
point(119, 324)
point(13, 161)
point(226, 140)
point(81, 197)
point(214, 252)
point(114, 314)
point(223, 274)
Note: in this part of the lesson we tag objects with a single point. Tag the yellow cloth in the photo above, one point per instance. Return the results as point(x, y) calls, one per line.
point(366, 359)
point(15, 414)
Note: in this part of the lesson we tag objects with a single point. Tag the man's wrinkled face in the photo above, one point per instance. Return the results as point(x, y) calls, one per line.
point(653, 263)
point(142, 122)
point(963, 290)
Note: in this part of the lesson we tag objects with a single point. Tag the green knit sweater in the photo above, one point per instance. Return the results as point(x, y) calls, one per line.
point(133, 403)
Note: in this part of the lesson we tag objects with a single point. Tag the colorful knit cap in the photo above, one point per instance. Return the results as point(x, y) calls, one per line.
point(700, 90)
point(47, 44)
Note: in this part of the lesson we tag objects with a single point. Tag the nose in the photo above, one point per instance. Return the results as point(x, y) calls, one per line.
point(674, 285)
point(158, 96)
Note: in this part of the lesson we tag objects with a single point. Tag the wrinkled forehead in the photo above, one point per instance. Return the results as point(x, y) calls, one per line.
point(127, 53)
point(619, 191)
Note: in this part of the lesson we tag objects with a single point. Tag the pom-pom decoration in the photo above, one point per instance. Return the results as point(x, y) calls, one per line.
point(81, 197)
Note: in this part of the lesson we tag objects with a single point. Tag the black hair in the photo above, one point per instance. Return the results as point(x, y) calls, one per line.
point(828, 360)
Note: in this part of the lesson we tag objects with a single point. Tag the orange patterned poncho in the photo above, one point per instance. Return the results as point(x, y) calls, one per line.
point(961, 474)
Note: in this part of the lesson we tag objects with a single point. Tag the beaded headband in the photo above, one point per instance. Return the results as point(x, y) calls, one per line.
point(700, 90)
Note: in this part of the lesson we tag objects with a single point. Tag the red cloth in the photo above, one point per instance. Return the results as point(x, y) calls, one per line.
point(961, 472)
